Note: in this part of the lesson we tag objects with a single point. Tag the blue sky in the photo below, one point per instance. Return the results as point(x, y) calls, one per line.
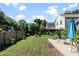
point(30, 11)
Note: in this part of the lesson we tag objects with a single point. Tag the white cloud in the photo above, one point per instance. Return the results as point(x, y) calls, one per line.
point(19, 6)
point(27, 20)
point(56, 15)
point(52, 11)
point(76, 4)
point(72, 5)
point(64, 9)
point(13, 4)
point(22, 7)
point(7, 4)
point(56, 6)
point(42, 17)
point(20, 17)
point(10, 16)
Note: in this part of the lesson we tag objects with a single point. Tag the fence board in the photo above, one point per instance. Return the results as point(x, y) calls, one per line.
point(6, 38)
point(1, 39)
point(9, 36)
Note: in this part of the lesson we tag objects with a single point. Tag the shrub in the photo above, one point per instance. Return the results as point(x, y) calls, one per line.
point(36, 35)
point(23, 37)
point(63, 33)
point(77, 37)
point(12, 40)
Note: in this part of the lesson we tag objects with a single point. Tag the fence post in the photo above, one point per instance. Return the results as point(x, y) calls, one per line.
point(16, 35)
point(22, 33)
point(4, 38)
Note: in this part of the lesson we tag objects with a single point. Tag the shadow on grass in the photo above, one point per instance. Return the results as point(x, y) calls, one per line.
point(5, 46)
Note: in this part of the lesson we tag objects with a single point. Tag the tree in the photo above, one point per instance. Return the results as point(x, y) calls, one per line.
point(9, 23)
point(43, 22)
point(22, 24)
point(15, 26)
point(72, 12)
point(37, 21)
point(41, 25)
point(75, 11)
point(67, 12)
point(2, 19)
point(5, 21)
point(32, 27)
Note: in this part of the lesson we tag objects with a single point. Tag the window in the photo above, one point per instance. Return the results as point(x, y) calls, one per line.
point(77, 23)
point(57, 23)
point(60, 22)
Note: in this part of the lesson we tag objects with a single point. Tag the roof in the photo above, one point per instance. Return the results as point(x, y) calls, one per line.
point(50, 25)
point(71, 15)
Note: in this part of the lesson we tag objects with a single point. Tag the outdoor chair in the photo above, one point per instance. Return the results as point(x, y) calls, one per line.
point(65, 42)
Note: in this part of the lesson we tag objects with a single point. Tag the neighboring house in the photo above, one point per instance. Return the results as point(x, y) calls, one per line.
point(50, 25)
point(62, 21)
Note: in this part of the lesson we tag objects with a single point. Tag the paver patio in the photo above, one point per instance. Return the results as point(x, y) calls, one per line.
point(63, 48)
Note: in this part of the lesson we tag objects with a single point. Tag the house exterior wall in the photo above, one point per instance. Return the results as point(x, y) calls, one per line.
point(60, 22)
point(65, 22)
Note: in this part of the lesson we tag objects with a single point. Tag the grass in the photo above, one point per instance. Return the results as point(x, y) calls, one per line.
point(30, 46)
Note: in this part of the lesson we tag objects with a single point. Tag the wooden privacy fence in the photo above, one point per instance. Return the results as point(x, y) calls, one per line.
point(7, 37)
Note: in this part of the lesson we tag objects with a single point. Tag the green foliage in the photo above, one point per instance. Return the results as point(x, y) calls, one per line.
point(23, 37)
point(67, 12)
point(41, 27)
point(6, 22)
point(2, 18)
point(36, 35)
point(37, 21)
point(41, 24)
point(75, 11)
point(12, 40)
point(32, 28)
point(72, 12)
point(63, 33)
point(77, 37)
point(22, 24)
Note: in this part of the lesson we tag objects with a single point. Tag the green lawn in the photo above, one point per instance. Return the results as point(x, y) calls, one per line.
point(31, 45)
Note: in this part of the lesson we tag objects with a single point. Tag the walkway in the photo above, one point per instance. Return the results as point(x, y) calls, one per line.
point(63, 48)
point(53, 51)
